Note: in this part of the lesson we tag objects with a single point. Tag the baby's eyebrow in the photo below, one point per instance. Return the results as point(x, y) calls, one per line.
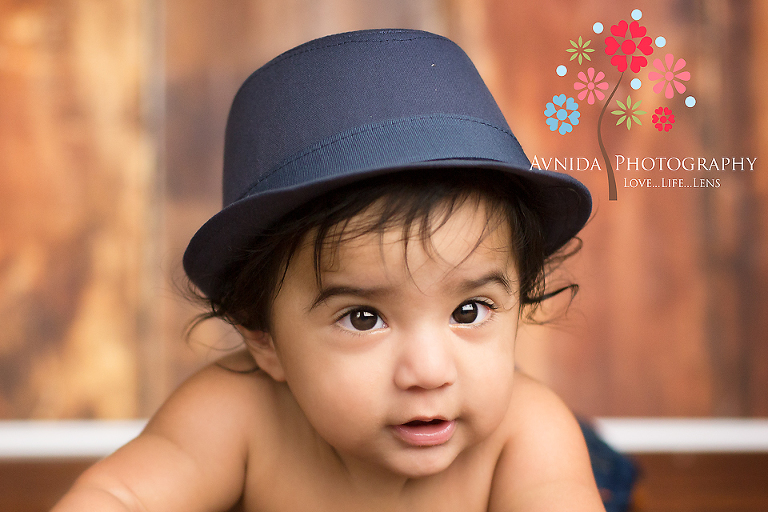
point(496, 277)
point(327, 293)
point(466, 286)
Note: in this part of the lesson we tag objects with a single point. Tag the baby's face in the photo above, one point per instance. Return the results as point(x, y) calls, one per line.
point(401, 361)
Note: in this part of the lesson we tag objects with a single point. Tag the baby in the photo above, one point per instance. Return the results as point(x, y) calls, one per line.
point(383, 234)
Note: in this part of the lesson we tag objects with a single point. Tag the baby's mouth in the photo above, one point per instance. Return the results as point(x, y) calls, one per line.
point(426, 432)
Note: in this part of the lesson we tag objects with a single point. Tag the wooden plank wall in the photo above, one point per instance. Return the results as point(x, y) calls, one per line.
point(111, 128)
point(77, 176)
point(672, 316)
point(712, 482)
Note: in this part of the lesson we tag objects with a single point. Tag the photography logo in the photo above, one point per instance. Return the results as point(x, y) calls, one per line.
point(632, 52)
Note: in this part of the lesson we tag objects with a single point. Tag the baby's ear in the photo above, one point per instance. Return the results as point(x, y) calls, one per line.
point(262, 348)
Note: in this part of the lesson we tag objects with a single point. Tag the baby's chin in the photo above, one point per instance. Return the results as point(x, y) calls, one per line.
point(423, 462)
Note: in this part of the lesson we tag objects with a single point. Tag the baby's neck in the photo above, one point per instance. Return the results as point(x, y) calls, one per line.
point(366, 484)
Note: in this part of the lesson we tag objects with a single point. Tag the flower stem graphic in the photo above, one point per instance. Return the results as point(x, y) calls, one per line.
point(608, 168)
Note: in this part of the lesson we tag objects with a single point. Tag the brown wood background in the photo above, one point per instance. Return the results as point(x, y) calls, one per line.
point(692, 482)
point(111, 133)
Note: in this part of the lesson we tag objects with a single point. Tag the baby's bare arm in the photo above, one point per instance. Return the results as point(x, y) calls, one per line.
point(545, 464)
point(191, 456)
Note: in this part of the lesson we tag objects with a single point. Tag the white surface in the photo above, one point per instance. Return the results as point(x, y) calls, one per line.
point(31, 439)
point(636, 435)
point(39, 439)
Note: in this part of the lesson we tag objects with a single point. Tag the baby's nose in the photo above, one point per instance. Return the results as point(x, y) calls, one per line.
point(426, 361)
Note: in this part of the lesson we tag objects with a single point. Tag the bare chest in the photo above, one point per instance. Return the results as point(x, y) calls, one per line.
point(294, 486)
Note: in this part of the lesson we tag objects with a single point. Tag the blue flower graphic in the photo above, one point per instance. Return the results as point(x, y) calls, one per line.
point(562, 114)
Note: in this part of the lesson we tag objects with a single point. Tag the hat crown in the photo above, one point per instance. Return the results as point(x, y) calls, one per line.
point(352, 106)
point(336, 85)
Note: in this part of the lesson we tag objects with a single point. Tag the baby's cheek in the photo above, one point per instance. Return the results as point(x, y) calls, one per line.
point(336, 404)
point(490, 397)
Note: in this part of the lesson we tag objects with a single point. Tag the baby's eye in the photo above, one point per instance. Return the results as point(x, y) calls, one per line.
point(471, 312)
point(362, 320)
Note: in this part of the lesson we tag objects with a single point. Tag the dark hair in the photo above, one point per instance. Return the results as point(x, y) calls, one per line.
point(423, 201)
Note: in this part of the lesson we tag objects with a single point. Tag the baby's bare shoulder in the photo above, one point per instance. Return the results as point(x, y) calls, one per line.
point(536, 398)
point(194, 452)
point(217, 412)
point(538, 418)
point(229, 395)
point(545, 458)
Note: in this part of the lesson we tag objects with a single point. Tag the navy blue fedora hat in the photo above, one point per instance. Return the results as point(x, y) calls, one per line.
point(352, 106)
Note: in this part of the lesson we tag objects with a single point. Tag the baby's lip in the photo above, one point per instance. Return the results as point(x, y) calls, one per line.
point(423, 431)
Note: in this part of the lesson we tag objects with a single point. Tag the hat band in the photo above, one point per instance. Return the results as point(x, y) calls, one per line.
point(395, 143)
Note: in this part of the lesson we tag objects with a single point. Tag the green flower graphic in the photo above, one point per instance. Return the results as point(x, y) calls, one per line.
point(580, 50)
point(628, 113)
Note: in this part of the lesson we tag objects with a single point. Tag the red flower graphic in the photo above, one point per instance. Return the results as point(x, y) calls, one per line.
point(628, 46)
point(663, 119)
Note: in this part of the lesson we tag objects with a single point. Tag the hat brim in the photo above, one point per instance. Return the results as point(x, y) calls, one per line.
point(564, 205)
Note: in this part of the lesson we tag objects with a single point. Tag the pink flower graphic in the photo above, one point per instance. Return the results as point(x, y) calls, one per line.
point(591, 86)
point(668, 76)
point(663, 119)
point(628, 46)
